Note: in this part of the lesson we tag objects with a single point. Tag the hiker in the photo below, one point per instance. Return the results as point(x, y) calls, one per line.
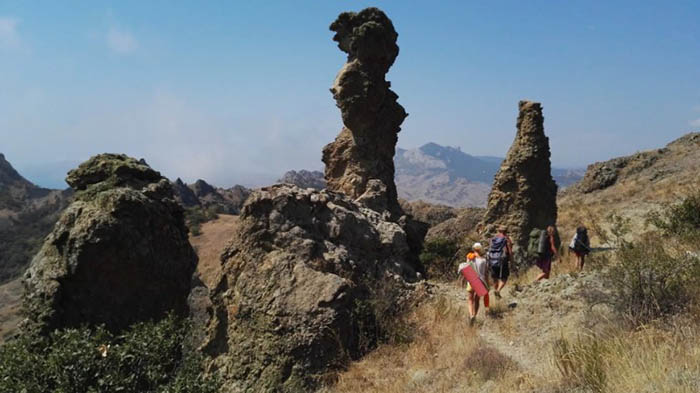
point(476, 260)
point(499, 255)
point(580, 245)
point(550, 252)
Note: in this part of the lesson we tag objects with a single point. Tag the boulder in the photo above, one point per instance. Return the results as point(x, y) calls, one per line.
point(299, 288)
point(524, 193)
point(119, 254)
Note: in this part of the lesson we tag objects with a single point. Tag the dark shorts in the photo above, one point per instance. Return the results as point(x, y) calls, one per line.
point(545, 264)
point(500, 272)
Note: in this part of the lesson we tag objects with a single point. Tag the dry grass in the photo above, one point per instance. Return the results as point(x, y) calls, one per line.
point(215, 236)
point(10, 304)
point(447, 355)
point(651, 359)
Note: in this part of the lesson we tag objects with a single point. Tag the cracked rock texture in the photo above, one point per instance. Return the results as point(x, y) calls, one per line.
point(119, 254)
point(364, 149)
point(299, 288)
point(524, 194)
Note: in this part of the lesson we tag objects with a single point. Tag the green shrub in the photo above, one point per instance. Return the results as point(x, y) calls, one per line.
point(438, 257)
point(196, 216)
point(149, 357)
point(682, 219)
point(651, 279)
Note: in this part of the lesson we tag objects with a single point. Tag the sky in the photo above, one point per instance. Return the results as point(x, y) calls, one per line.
point(237, 92)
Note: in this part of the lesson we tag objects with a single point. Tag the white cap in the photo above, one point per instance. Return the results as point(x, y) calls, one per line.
point(477, 246)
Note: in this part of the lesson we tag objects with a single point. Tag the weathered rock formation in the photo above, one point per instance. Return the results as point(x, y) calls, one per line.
point(297, 287)
point(119, 253)
point(304, 179)
point(305, 277)
point(364, 149)
point(524, 194)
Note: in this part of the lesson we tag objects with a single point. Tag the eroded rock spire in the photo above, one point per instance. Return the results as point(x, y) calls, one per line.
point(361, 159)
point(524, 193)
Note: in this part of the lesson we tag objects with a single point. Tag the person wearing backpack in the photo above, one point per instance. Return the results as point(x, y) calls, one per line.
point(548, 253)
point(499, 255)
point(580, 245)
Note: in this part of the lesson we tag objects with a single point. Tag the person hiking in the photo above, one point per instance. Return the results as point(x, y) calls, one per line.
point(479, 264)
point(580, 245)
point(544, 261)
point(499, 256)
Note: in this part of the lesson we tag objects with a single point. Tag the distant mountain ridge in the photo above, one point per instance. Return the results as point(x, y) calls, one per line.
point(447, 175)
point(27, 214)
point(440, 174)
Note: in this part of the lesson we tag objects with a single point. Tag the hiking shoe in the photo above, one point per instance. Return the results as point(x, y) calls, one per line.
point(497, 293)
point(472, 320)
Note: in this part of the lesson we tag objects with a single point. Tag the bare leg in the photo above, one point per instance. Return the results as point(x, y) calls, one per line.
point(472, 307)
point(583, 258)
point(541, 276)
point(476, 305)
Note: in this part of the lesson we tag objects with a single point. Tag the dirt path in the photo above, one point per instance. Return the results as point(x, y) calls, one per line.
point(525, 323)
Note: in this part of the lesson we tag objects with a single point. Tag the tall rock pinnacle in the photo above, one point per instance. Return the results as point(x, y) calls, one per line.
point(361, 158)
point(524, 193)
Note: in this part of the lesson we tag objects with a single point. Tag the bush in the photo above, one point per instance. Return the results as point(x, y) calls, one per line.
point(682, 220)
point(149, 357)
point(196, 216)
point(438, 257)
point(649, 281)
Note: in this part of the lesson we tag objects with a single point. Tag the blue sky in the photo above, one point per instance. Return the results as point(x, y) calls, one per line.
point(237, 92)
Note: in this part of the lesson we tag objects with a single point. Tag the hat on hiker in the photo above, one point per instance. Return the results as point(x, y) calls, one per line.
point(502, 228)
point(477, 246)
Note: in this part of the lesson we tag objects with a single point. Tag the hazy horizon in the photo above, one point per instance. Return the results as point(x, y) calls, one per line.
point(234, 91)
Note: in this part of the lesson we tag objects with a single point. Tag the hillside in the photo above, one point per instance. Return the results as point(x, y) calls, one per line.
point(27, 214)
point(632, 186)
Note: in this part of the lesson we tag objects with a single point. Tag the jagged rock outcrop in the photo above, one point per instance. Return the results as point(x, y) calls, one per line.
point(298, 282)
point(184, 194)
point(524, 193)
point(364, 149)
point(119, 253)
point(304, 179)
point(203, 194)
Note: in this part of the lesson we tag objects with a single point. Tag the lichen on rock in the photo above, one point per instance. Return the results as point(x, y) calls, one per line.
point(287, 306)
point(524, 193)
point(119, 254)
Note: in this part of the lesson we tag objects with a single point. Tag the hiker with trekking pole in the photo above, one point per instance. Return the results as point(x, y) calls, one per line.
point(580, 245)
point(499, 256)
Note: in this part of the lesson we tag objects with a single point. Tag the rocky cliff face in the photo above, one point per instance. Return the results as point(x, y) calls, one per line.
point(524, 193)
point(364, 149)
point(289, 304)
point(119, 253)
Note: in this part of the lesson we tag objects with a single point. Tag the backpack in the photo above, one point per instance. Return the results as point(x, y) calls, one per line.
point(537, 242)
point(580, 242)
point(498, 251)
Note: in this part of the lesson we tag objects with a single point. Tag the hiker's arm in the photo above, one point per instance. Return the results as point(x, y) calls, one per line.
point(553, 247)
